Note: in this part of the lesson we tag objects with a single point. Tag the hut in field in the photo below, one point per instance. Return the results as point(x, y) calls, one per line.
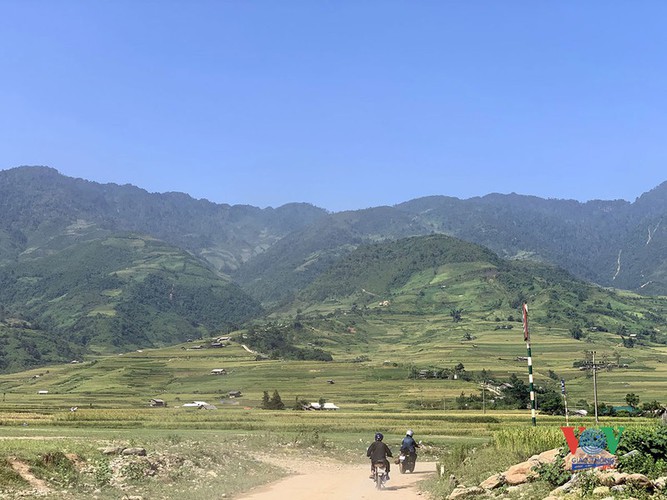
point(325, 406)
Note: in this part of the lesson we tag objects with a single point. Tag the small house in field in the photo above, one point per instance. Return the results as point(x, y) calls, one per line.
point(325, 406)
point(234, 394)
point(218, 371)
point(202, 405)
point(157, 403)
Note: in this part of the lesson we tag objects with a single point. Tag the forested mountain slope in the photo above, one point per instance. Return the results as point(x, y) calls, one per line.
point(275, 252)
point(111, 294)
point(38, 204)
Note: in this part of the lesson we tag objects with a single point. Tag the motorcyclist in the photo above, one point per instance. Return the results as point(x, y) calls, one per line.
point(378, 452)
point(409, 445)
point(409, 449)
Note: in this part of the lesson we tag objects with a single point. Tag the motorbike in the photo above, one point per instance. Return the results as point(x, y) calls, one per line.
point(379, 475)
point(406, 461)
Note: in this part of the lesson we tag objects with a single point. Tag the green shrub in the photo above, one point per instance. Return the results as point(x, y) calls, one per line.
point(649, 449)
point(647, 440)
point(135, 469)
point(587, 480)
point(643, 464)
point(553, 473)
point(102, 472)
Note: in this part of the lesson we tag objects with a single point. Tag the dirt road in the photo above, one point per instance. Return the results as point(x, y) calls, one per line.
point(330, 480)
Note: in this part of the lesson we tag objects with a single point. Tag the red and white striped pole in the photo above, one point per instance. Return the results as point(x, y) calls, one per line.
point(526, 337)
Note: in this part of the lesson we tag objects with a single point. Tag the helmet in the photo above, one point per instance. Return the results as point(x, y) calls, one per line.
point(379, 436)
point(409, 433)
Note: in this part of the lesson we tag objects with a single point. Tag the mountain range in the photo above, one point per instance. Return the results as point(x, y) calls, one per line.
point(104, 267)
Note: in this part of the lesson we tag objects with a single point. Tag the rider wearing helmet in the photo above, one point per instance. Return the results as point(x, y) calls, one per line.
point(409, 445)
point(378, 452)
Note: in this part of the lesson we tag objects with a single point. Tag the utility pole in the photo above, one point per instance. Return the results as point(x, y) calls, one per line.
point(595, 388)
point(483, 397)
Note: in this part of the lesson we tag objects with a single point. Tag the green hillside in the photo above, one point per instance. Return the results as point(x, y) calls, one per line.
point(291, 264)
point(118, 292)
point(381, 314)
point(384, 267)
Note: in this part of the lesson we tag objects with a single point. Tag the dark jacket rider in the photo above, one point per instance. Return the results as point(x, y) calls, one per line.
point(378, 452)
point(409, 445)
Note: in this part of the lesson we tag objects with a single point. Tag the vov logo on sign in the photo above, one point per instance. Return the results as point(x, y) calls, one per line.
point(593, 443)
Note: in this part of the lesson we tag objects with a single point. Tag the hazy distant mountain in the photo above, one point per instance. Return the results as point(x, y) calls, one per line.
point(611, 243)
point(38, 203)
point(274, 252)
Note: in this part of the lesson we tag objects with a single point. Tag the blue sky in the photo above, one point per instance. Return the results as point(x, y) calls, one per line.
point(343, 104)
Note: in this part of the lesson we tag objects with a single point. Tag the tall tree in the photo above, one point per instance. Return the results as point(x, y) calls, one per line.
point(632, 399)
point(266, 404)
point(276, 403)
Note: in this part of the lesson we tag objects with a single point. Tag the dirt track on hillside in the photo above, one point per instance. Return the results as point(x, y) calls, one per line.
point(330, 480)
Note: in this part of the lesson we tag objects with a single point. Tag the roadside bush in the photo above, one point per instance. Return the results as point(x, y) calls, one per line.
point(647, 440)
point(650, 443)
point(310, 438)
point(553, 473)
point(134, 470)
point(471, 464)
point(587, 480)
point(102, 472)
point(643, 464)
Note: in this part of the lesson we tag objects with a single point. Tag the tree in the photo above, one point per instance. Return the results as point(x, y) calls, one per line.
point(276, 403)
point(652, 406)
point(518, 394)
point(628, 342)
point(456, 314)
point(582, 404)
point(461, 401)
point(632, 399)
point(265, 401)
point(552, 403)
point(299, 404)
